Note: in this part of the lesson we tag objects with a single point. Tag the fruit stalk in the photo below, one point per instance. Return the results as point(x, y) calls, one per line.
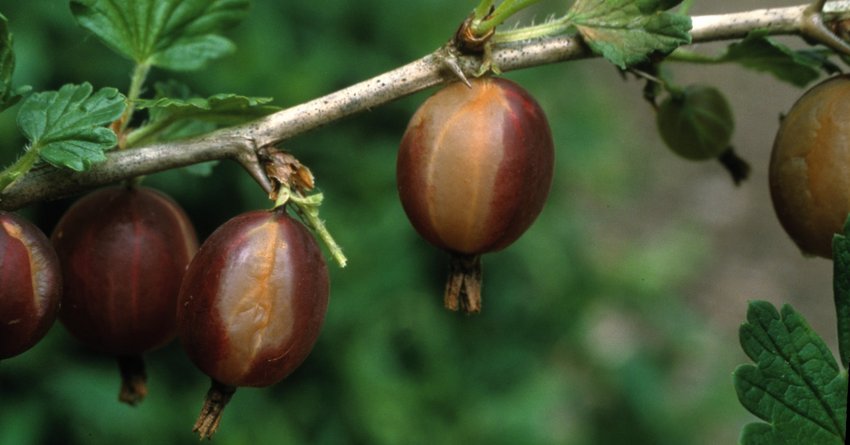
point(473, 171)
point(463, 288)
point(217, 398)
point(134, 379)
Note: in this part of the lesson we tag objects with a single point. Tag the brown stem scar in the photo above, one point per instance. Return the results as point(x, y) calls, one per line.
point(463, 287)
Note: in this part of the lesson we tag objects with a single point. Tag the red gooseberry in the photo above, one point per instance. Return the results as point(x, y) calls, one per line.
point(474, 170)
point(252, 305)
point(123, 252)
point(30, 285)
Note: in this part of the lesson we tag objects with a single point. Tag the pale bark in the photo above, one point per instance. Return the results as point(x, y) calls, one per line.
point(241, 142)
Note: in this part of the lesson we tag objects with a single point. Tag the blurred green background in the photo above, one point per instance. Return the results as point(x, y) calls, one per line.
point(604, 324)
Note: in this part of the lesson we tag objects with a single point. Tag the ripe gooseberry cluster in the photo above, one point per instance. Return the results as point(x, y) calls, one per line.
point(248, 305)
point(474, 170)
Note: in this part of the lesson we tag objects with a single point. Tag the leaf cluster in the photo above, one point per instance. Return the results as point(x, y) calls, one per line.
point(74, 126)
point(180, 35)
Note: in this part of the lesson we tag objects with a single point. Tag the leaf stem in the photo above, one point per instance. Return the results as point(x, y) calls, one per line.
point(147, 133)
point(502, 12)
point(687, 56)
point(550, 28)
point(483, 9)
point(137, 81)
point(19, 168)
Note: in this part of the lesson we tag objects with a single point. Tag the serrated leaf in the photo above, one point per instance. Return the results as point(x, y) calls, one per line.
point(795, 385)
point(172, 34)
point(66, 126)
point(650, 6)
point(193, 53)
point(760, 53)
point(627, 31)
point(222, 109)
point(841, 290)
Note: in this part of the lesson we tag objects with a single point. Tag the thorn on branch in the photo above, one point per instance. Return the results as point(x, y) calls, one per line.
point(250, 160)
point(814, 28)
point(449, 58)
point(817, 6)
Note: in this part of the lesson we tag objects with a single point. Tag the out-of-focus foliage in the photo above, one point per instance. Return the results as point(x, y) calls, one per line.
point(584, 338)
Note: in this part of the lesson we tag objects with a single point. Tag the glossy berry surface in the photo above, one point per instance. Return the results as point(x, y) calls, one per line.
point(810, 166)
point(30, 285)
point(123, 253)
point(254, 299)
point(475, 166)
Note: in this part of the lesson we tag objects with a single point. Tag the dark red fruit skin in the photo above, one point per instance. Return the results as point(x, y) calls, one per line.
point(254, 299)
point(475, 166)
point(30, 285)
point(123, 253)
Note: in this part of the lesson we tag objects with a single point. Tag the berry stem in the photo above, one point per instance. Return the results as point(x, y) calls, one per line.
point(134, 380)
point(463, 288)
point(307, 208)
point(217, 398)
point(735, 165)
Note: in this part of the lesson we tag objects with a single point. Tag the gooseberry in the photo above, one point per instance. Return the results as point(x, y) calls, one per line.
point(252, 305)
point(810, 166)
point(123, 252)
point(474, 170)
point(30, 285)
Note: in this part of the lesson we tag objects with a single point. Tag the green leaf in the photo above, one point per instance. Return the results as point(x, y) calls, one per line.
point(224, 109)
point(795, 385)
point(696, 123)
point(8, 96)
point(760, 53)
point(66, 126)
point(841, 290)
point(175, 114)
point(627, 31)
point(172, 34)
point(650, 6)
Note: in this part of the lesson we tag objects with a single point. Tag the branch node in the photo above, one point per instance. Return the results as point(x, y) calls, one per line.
point(249, 158)
point(813, 27)
point(448, 57)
